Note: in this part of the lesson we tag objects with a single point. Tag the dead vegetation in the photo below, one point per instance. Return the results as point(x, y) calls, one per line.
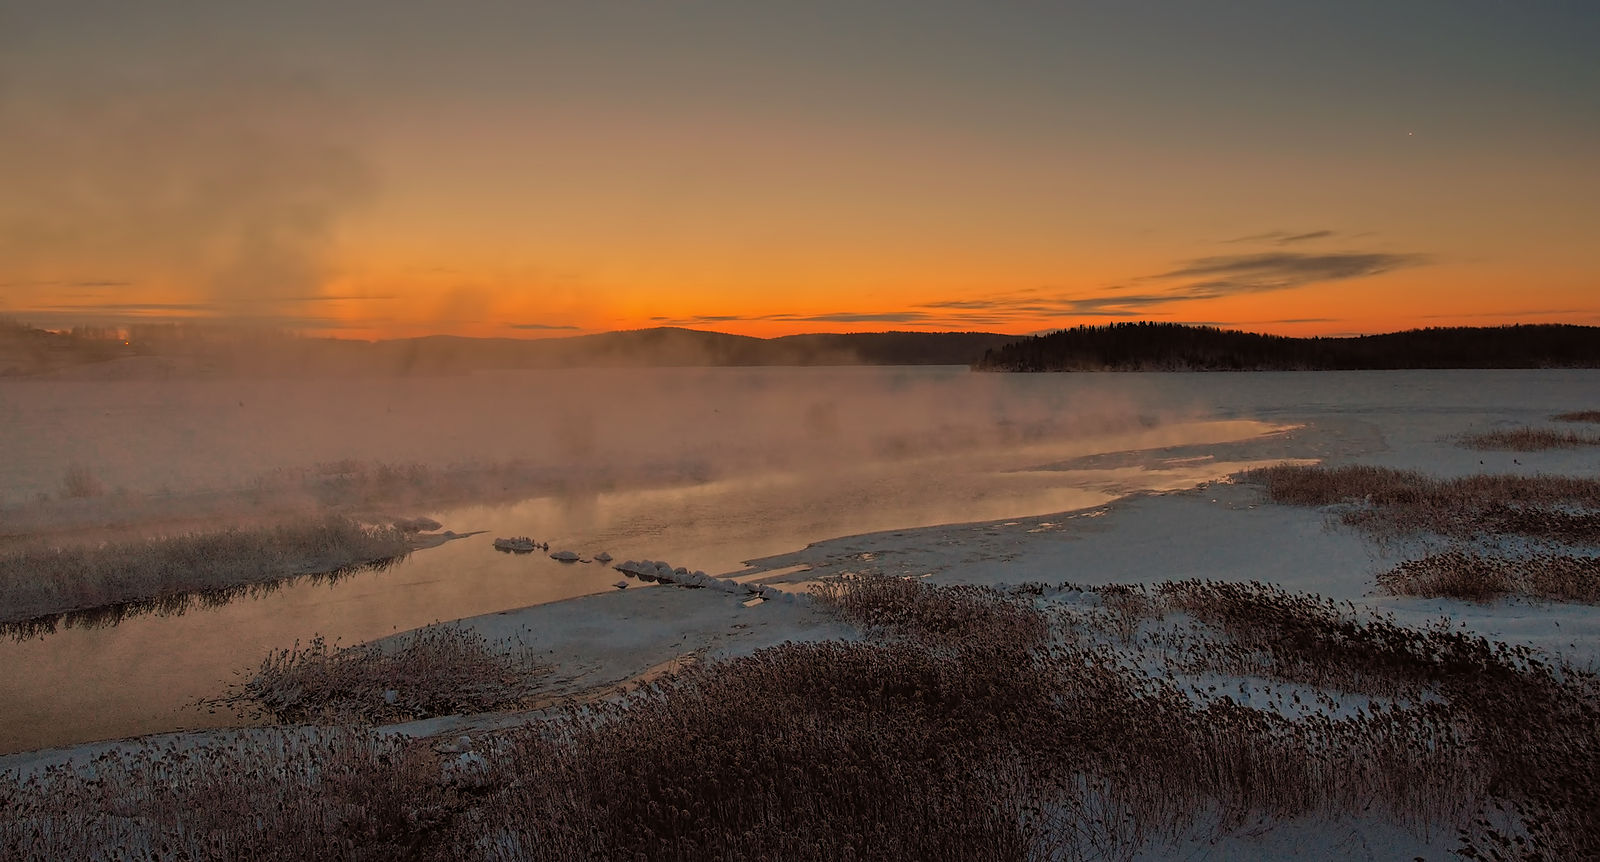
point(41, 582)
point(439, 670)
point(1041, 722)
point(1529, 439)
point(1556, 520)
point(1484, 578)
point(336, 793)
point(1387, 502)
point(1578, 416)
point(175, 604)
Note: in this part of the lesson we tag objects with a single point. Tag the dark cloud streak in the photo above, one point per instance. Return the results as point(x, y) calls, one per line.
point(1281, 237)
point(1260, 273)
point(1199, 279)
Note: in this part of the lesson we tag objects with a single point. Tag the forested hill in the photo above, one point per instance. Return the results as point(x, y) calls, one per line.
point(173, 350)
point(1175, 347)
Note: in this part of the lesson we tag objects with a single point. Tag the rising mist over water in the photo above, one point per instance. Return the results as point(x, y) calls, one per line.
point(570, 427)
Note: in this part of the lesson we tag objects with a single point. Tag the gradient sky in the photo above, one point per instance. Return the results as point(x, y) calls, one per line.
point(526, 169)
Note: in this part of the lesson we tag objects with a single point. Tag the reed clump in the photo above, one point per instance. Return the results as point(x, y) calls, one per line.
point(38, 582)
point(948, 614)
point(329, 793)
point(1385, 501)
point(1529, 439)
point(438, 670)
point(1483, 578)
point(1578, 416)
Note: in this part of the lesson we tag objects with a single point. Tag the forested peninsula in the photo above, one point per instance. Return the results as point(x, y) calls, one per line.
point(1147, 346)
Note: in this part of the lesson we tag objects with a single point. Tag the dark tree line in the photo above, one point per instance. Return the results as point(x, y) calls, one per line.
point(221, 348)
point(1147, 346)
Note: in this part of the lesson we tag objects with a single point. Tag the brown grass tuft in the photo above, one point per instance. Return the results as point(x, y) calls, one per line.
point(1529, 440)
point(40, 582)
point(1479, 578)
point(933, 614)
point(439, 670)
point(1399, 502)
point(1578, 416)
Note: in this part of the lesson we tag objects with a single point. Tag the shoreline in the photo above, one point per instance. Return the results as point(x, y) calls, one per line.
point(1132, 587)
point(606, 643)
point(1217, 530)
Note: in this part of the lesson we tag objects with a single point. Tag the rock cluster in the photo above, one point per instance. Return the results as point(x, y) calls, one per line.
point(666, 573)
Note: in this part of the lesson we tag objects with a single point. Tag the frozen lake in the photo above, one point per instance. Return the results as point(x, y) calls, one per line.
point(706, 468)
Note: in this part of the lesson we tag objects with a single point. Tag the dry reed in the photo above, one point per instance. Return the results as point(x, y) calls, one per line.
point(1390, 502)
point(39, 582)
point(1481, 578)
point(1529, 439)
point(439, 670)
point(982, 724)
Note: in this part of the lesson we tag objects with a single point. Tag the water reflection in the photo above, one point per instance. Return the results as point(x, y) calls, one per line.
point(139, 670)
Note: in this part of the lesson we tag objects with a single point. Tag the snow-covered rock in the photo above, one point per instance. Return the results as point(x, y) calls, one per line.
point(516, 545)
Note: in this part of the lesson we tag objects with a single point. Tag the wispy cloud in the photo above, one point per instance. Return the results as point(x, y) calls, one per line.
point(1519, 314)
point(1282, 237)
point(1122, 305)
point(1197, 279)
point(543, 326)
point(1202, 278)
point(856, 317)
point(910, 316)
point(131, 314)
point(60, 283)
point(1224, 275)
point(124, 307)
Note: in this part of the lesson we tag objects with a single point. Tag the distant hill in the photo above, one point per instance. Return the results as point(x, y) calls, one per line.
point(188, 351)
point(209, 351)
point(1175, 347)
point(671, 346)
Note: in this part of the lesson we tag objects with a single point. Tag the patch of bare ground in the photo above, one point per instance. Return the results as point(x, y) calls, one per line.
point(1399, 502)
point(1483, 578)
point(45, 581)
point(1578, 416)
point(1040, 722)
point(439, 670)
point(1529, 439)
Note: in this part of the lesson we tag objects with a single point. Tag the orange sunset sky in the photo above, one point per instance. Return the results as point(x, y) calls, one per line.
point(375, 170)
